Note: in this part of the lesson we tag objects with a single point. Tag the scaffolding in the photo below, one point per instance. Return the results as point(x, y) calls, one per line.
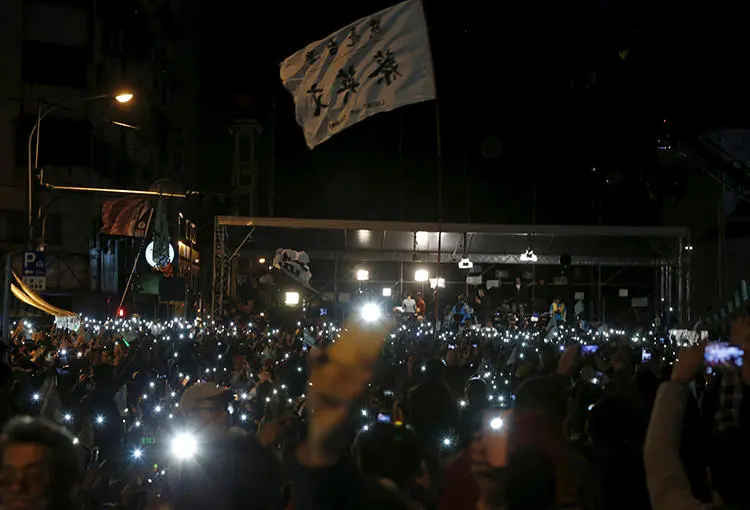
point(665, 249)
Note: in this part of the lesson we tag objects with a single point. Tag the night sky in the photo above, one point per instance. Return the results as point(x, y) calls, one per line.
point(558, 104)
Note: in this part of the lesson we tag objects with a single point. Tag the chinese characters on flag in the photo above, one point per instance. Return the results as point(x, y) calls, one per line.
point(376, 64)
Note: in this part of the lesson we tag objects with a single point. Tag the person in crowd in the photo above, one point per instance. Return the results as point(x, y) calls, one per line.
point(421, 305)
point(557, 310)
point(230, 469)
point(409, 305)
point(668, 483)
point(410, 376)
point(42, 468)
point(519, 296)
point(391, 460)
point(460, 313)
point(431, 408)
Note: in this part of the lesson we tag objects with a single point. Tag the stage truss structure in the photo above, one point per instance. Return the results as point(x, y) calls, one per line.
point(667, 249)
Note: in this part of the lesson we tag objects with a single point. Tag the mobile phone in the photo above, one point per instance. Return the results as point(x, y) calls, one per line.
point(587, 350)
point(384, 418)
point(722, 353)
point(495, 436)
point(645, 355)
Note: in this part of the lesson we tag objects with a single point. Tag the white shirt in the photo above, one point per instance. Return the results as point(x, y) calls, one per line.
point(409, 305)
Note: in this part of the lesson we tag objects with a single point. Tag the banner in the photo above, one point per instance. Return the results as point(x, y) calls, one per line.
point(126, 216)
point(376, 64)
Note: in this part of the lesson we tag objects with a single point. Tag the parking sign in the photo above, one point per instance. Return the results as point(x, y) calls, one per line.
point(35, 270)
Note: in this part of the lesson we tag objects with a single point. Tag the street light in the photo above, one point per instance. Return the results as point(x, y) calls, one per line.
point(122, 97)
point(125, 97)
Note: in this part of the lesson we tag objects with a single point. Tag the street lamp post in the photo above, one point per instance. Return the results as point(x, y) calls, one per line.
point(33, 167)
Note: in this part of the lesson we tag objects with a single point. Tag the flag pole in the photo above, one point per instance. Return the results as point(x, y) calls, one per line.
point(439, 154)
point(135, 263)
point(439, 168)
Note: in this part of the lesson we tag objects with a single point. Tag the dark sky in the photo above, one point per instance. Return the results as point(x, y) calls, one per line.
point(533, 97)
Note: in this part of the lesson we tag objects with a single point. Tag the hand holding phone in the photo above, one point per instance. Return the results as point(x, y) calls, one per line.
point(495, 436)
point(721, 353)
point(588, 350)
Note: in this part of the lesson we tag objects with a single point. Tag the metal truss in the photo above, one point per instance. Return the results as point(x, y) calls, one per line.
point(221, 269)
point(480, 258)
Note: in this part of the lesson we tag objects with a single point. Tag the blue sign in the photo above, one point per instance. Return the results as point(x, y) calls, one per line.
point(34, 263)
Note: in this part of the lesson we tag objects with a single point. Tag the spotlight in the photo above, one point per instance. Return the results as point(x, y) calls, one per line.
point(496, 423)
point(465, 263)
point(262, 260)
point(421, 275)
point(386, 292)
point(370, 312)
point(529, 256)
point(363, 275)
point(292, 298)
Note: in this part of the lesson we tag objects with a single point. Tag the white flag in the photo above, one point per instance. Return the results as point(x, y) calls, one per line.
point(376, 64)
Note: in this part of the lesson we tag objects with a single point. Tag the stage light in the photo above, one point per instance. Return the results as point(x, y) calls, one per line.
point(529, 256)
point(386, 292)
point(465, 263)
point(363, 275)
point(437, 282)
point(371, 312)
point(421, 275)
point(262, 260)
point(292, 298)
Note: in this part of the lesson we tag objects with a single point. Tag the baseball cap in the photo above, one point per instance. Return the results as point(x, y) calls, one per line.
point(201, 391)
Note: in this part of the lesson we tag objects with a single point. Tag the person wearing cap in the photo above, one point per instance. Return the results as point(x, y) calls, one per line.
point(230, 469)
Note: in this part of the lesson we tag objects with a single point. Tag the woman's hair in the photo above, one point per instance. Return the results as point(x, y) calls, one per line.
point(67, 460)
point(386, 451)
point(531, 482)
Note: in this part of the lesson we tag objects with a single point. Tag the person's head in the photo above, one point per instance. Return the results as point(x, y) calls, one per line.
point(42, 468)
point(204, 406)
point(543, 397)
point(531, 480)
point(411, 361)
point(476, 392)
point(557, 299)
point(451, 357)
point(518, 280)
point(434, 369)
point(385, 451)
point(460, 298)
point(239, 362)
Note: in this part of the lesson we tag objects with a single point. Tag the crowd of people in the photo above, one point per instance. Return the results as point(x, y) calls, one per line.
point(237, 414)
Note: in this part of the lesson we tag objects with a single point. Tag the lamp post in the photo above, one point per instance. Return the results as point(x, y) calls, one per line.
point(33, 168)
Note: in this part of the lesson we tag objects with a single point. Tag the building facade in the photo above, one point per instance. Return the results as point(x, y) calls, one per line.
point(59, 53)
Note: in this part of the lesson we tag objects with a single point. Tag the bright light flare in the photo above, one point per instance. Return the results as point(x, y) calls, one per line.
point(421, 275)
point(371, 312)
point(291, 298)
point(496, 423)
point(124, 97)
point(363, 275)
point(184, 446)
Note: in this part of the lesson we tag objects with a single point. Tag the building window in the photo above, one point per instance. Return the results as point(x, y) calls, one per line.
point(54, 64)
